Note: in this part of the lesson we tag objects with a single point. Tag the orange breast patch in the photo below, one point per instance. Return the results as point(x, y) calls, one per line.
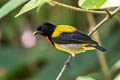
point(49, 40)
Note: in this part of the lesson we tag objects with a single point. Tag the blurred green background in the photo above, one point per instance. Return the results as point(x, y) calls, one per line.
point(26, 57)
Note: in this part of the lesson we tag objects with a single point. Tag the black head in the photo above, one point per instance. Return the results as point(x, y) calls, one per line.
point(45, 29)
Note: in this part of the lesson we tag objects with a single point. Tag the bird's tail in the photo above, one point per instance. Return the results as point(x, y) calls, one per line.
point(100, 48)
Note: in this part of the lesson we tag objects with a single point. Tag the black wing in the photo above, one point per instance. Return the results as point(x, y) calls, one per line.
point(76, 37)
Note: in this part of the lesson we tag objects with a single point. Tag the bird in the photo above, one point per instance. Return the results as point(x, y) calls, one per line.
point(67, 38)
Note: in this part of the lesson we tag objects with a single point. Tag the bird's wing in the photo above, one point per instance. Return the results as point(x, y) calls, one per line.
point(76, 37)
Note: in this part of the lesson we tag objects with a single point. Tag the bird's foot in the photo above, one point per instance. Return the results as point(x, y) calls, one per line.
point(67, 63)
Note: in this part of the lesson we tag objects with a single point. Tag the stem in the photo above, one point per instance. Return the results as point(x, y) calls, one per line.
point(104, 20)
point(102, 59)
point(108, 12)
point(64, 67)
point(104, 65)
point(77, 9)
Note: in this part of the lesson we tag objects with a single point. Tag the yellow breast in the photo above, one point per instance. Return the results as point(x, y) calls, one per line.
point(62, 28)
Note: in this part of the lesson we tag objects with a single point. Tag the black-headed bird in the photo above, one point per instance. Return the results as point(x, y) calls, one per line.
point(67, 38)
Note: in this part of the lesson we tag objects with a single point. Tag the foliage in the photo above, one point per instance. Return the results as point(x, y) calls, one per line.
point(98, 4)
point(39, 61)
point(31, 5)
point(118, 77)
point(10, 6)
point(84, 78)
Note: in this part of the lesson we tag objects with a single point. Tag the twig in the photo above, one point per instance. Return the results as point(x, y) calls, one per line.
point(108, 12)
point(66, 64)
point(77, 9)
point(104, 20)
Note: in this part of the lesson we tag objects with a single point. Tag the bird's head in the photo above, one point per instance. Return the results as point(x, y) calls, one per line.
point(45, 29)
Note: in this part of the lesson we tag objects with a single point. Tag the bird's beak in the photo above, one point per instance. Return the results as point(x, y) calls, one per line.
point(36, 32)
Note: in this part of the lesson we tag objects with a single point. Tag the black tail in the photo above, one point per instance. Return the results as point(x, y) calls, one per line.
point(100, 48)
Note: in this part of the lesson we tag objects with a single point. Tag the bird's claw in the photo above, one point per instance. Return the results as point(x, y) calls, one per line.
point(67, 63)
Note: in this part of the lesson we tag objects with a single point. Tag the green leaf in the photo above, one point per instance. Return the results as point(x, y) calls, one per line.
point(31, 5)
point(110, 4)
point(91, 4)
point(10, 6)
point(98, 4)
point(84, 78)
point(118, 77)
point(117, 64)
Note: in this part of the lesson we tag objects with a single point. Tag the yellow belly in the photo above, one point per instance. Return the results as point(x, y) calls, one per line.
point(72, 48)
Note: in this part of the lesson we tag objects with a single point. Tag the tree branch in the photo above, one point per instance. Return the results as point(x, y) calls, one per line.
point(108, 12)
point(104, 20)
point(66, 64)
